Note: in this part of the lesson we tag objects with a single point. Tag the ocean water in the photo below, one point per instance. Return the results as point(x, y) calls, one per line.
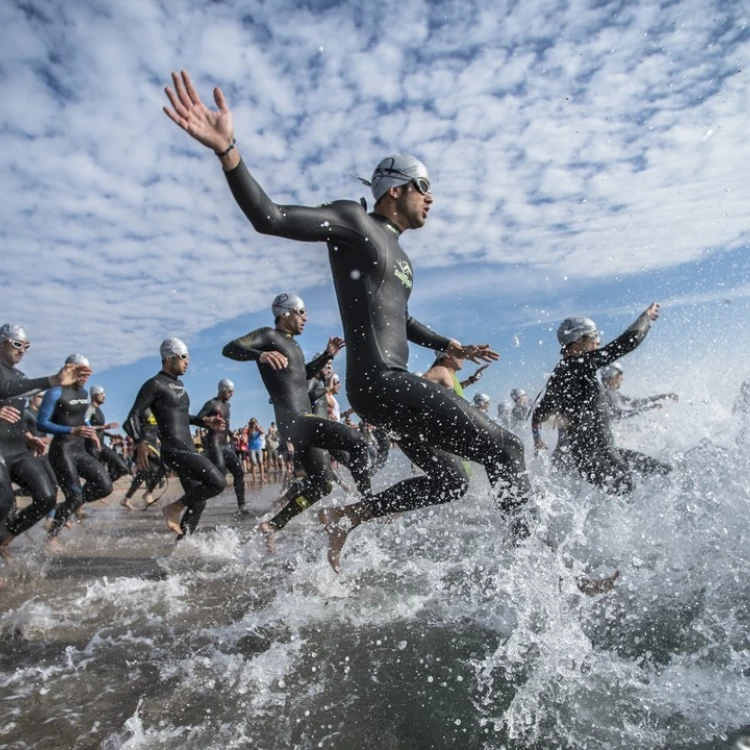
point(438, 633)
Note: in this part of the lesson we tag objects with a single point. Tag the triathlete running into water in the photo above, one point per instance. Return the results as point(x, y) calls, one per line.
point(282, 368)
point(166, 397)
point(113, 462)
point(373, 278)
point(216, 443)
point(620, 406)
point(575, 395)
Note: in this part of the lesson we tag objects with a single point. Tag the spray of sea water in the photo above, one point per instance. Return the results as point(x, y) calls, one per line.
point(438, 634)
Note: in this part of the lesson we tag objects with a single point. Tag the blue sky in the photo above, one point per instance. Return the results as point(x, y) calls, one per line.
point(586, 158)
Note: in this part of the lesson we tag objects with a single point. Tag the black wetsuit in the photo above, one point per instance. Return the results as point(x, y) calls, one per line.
point(113, 462)
point(311, 436)
point(155, 472)
point(218, 449)
point(373, 280)
point(167, 398)
point(62, 409)
point(574, 393)
point(13, 383)
point(620, 406)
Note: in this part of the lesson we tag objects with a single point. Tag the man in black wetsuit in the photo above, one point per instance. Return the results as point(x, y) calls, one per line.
point(373, 278)
point(30, 472)
point(284, 373)
point(620, 406)
point(63, 415)
point(574, 393)
point(167, 398)
point(216, 444)
point(113, 462)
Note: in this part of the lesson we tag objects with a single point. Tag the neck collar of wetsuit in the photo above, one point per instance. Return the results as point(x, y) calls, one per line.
point(387, 223)
point(284, 333)
point(169, 375)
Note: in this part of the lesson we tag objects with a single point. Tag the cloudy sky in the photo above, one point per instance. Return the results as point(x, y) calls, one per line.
point(586, 158)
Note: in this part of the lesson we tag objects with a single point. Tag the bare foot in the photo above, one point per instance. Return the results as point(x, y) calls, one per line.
point(127, 504)
point(104, 500)
point(148, 500)
point(596, 586)
point(68, 524)
point(81, 514)
point(53, 545)
point(269, 534)
point(4, 548)
point(338, 522)
point(172, 515)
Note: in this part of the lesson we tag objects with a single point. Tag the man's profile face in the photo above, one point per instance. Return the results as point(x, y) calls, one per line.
point(176, 365)
point(13, 351)
point(413, 206)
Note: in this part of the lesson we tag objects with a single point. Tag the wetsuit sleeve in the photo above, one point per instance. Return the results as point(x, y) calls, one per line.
point(136, 420)
point(12, 387)
point(248, 347)
point(196, 421)
point(313, 367)
point(307, 224)
point(420, 334)
point(206, 410)
point(46, 410)
point(544, 410)
point(624, 343)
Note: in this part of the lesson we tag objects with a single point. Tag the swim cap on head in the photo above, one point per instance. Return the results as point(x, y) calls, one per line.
point(225, 384)
point(283, 304)
point(335, 378)
point(96, 390)
point(611, 371)
point(12, 332)
point(173, 347)
point(481, 398)
point(516, 393)
point(393, 171)
point(572, 329)
point(77, 359)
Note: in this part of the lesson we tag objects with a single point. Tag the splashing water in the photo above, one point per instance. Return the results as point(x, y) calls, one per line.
point(438, 634)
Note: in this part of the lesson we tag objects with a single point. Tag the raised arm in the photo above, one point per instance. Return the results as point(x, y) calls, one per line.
point(629, 340)
point(215, 130)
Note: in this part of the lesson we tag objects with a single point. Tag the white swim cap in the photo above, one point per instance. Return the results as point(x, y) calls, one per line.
point(396, 170)
point(12, 332)
point(97, 390)
point(611, 371)
point(572, 329)
point(516, 393)
point(284, 304)
point(173, 347)
point(77, 359)
point(481, 398)
point(225, 384)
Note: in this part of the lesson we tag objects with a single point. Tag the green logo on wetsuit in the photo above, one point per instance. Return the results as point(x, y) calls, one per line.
point(302, 502)
point(403, 273)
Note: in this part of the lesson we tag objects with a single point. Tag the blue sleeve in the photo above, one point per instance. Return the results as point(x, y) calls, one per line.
point(44, 418)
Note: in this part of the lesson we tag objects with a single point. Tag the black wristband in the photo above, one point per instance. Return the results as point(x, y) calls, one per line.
point(228, 149)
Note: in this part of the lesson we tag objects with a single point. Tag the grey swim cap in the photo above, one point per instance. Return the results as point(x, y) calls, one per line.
point(12, 332)
point(225, 384)
point(481, 398)
point(335, 378)
point(516, 393)
point(97, 390)
point(393, 171)
point(77, 359)
point(611, 371)
point(572, 329)
point(283, 304)
point(173, 347)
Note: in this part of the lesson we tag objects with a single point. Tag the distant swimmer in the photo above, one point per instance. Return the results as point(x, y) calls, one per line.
point(113, 461)
point(373, 278)
point(216, 443)
point(481, 402)
point(165, 395)
point(285, 375)
point(444, 371)
point(620, 406)
point(574, 394)
point(520, 411)
point(63, 415)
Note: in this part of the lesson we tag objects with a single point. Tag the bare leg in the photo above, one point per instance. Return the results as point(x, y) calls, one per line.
point(148, 500)
point(127, 504)
point(5, 547)
point(172, 515)
point(269, 534)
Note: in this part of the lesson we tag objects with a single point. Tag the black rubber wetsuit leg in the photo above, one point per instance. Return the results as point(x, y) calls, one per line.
point(200, 479)
point(6, 495)
point(232, 462)
point(445, 481)
point(642, 463)
point(329, 435)
point(32, 474)
point(605, 470)
point(383, 441)
point(98, 484)
point(114, 463)
point(64, 465)
point(303, 493)
point(424, 412)
point(340, 457)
